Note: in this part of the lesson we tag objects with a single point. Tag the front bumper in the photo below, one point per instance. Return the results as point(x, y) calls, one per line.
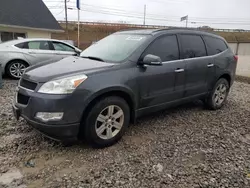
point(68, 132)
point(56, 132)
point(66, 129)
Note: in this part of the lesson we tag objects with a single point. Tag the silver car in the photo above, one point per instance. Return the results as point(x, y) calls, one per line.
point(17, 55)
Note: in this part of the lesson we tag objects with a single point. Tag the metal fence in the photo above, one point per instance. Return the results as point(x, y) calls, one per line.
point(153, 26)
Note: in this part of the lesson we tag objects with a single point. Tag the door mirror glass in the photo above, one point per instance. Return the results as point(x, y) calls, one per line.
point(152, 60)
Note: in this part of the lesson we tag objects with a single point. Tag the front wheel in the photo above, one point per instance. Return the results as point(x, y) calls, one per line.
point(218, 96)
point(106, 122)
point(16, 68)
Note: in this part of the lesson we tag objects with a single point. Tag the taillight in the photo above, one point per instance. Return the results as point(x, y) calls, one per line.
point(236, 57)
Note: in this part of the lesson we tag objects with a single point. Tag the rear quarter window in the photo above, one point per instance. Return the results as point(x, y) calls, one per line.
point(214, 45)
point(20, 45)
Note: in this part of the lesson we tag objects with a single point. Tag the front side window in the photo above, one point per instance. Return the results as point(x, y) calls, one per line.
point(192, 46)
point(165, 47)
point(214, 45)
point(58, 46)
point(115, 48)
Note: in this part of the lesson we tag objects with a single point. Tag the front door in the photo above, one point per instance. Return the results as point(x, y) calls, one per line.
point(198, 64)
point(63, 50)
point(162, 84)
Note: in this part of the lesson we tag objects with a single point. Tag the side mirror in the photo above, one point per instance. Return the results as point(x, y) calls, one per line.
point(152, 60)
point(77, 51)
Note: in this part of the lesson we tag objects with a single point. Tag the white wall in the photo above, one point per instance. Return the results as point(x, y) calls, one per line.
point(244, 48)
point(38, 34)
point(243, 65)
point(233, 46)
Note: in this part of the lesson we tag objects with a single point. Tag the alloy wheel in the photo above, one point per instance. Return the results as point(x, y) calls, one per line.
point(17, 69)
point(220, 94)
point(109, 122)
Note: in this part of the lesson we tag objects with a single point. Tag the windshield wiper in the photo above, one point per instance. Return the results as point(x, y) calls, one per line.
point(93, 58)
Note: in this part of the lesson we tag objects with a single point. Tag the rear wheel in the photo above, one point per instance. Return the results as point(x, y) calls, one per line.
point(218, 96)
point(106, 122)
point(16, 68)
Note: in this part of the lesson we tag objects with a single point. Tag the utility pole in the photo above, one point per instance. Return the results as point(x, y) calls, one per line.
point(66, 18)
point(78, 32)
point(187, 22)
point(144, 20)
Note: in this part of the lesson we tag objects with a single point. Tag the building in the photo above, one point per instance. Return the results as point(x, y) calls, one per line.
point(26, 19)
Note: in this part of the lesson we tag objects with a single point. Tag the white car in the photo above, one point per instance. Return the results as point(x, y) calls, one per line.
point(17, 55)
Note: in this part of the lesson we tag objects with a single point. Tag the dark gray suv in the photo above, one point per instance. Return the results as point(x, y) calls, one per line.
point(125, 75)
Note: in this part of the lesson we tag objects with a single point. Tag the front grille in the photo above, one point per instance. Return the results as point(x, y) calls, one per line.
point(22, 99)
point(28, 84)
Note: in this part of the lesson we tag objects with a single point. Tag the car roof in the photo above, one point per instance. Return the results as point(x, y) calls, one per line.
point(35, 39)
point(168, 31)
point(17, 41)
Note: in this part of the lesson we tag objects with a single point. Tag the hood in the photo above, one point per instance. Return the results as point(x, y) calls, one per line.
point(46, 71)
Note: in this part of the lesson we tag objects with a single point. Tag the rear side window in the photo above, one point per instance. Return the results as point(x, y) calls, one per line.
point(20, 45)
point(214, 45)
point(35, 45)
point(39, 45)
point(192, 46)
point(165, 47)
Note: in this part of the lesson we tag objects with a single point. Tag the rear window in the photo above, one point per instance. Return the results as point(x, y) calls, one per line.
point(214, 45)
point(192, 46)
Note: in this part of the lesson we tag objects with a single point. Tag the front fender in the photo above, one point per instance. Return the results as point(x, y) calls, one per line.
point(110, 90)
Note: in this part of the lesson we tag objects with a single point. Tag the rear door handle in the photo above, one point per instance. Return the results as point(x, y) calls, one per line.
point(210, 65)
point(179, 70)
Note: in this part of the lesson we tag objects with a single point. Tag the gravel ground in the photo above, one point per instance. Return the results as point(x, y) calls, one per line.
point(184, 147)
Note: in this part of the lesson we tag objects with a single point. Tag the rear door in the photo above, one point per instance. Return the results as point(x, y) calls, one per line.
point(37, 51)
point(198, 64)
point(63, 50)
point(162, 84)
point(215, 49)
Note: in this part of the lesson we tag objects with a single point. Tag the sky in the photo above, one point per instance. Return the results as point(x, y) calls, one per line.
point(222, 14)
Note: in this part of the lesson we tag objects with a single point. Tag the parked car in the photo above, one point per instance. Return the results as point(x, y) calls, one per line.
point(17, 55)
point(122, 77)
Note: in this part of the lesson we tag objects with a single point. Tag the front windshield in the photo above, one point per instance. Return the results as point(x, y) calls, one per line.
point(115, 48)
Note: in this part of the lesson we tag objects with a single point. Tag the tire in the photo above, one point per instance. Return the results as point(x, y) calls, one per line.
point(94, 122)
point(19, 65)
point(213, 102)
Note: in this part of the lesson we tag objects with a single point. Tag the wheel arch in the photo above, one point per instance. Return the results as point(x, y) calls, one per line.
point(228, 77)
point(120, 92)
point(16, 59)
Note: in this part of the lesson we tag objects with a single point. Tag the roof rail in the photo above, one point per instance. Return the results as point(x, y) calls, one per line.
point(173, 28)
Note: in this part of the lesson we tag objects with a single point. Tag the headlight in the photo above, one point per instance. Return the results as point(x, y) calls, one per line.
point(62, 86)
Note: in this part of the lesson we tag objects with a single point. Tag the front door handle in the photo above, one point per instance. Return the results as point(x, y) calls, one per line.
point(179, 70)
point(210, 65)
